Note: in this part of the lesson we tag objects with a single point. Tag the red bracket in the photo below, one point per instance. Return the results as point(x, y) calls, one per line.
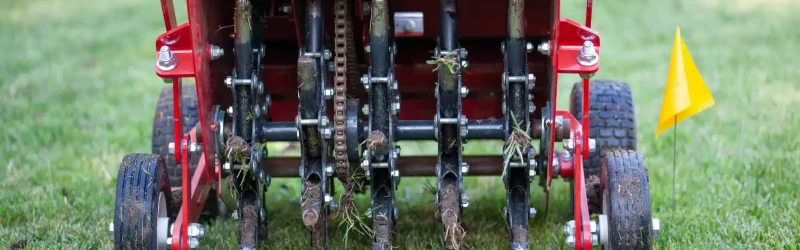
point(571, 36)
point(179, 41)
point(195, 189)
point(583, 233)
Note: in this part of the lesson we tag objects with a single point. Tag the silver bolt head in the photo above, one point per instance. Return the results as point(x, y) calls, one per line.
point(329, 170)
point(111, 227)
point(328, 93)
point(463, 52)
point(235, 214)
point(216, 52)
point(464, 168)
point(529, 47)
point(569, 144)
point(230, 110)
point(544, 48)
point(464, 91)
point(531, 213)
point(569, 228)
point(570, 241)
point(595, 240)
point(228, 81)
point(366, 48)
point(531, 108)
point(328, 198)
point(365, 109)
point(196, 230)
point(326, 54)
point(166, 60)
point(464, 200)
point(193, 242)
point(592, 145)
point(531, 173)
point(171, 146)
point(656, 227)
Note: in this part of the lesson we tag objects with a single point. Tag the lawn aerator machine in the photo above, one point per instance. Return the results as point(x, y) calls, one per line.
point(327, 74)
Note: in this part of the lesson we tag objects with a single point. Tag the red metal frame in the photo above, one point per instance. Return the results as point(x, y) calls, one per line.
point(190, 44)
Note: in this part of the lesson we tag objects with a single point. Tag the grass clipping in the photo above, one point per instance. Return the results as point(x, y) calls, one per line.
point(518, 142)
point(351, 218)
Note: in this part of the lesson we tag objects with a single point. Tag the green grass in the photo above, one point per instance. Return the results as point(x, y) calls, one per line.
point(78, 91)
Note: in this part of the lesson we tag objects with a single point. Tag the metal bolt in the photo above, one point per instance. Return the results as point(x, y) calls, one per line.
point(529, 47)
point(235, 214)
point(194, 147)
point(326, 133)
point(329, 170)
point(464, 200)
point(171, 147)
point(166, 60)
point(531, 81)
point(464, 91)
point(656, 227)
point(531, 107)
point(503, 47)
point(569, 228)
point(196, 230)
point(592, 145)
point(366, 48)
point(328, 198)
point(328, 93)
point(262, 214)
point(595, 240)
point(570, 241)
point(463, 52)
point(532, 173)
point(216, 52)
point(395, 173)
point(588, 55)
point(365, 109)
point(367, 174)
point(285, 8)
point(464, 168)
point(228, 82)
point(230, 110)
point(193, 242)
point(569, 144)
point(544, 48)
point(326, 54)
point(531, 213)
point(226, 167)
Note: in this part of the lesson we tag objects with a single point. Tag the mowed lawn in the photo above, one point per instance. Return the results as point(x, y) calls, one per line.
point(77, 93)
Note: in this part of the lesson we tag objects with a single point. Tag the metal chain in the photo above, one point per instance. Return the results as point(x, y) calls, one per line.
point(342, 56)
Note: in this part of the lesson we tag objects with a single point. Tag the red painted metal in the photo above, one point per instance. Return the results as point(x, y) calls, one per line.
point(583, 234)
point(480, 36)
point(566, 167)
point(186, 191)
point(179, 41)
point(194, 197)
point(585, 118)
point(571, 36)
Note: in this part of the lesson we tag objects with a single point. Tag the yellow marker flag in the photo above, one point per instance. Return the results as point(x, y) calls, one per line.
point(686, 93)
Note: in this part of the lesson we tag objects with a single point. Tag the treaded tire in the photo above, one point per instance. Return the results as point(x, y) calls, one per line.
point(612, 124)
point(163, 135)
point(140, 180)
point(626, 200)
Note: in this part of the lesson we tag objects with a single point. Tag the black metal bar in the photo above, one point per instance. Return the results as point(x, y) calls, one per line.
point(489, 129)
point(243, 98)
point(409, 166)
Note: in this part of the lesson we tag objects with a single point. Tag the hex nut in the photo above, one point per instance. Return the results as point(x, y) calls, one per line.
point(656, 227)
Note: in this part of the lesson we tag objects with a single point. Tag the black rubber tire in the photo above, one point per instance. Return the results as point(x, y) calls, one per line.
point(140, 180)
point(626, 195)
point(612, 124)
point(163, 135)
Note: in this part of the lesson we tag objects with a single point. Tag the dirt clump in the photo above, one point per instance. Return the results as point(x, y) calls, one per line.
point(519, 234)
point(248, 225)
point(449, 211)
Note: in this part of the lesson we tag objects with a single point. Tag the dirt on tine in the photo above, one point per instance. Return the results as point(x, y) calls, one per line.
point(311, 204)
point(449, 208)
point(248, 223)
point(519, 234)
point(382, 229)
point(375, 140)
point(236, 146)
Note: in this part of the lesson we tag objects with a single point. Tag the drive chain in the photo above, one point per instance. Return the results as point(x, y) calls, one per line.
point(344, 62)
